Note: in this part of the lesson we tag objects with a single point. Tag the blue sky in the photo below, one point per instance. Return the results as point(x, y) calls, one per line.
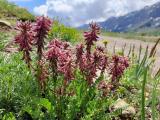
point(29, 4)
point(77, 12)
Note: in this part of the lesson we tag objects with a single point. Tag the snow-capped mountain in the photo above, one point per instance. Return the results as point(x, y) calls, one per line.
point(148, 17)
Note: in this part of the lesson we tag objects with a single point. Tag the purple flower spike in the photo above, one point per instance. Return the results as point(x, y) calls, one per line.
point(118, 66)
point(24, 39)
point(42, 26)
point(91, 36)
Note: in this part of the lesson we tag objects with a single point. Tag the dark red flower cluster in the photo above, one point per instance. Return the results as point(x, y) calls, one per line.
point(97, 61)
point(101, 58)
point(61, 55)
point(91, 36)
point(79, 52)
point(104, 87)
point(25, 39)
point(90, 70)
point(117, 66)
point(54, 50)
point(41, 28)
point(66, 66)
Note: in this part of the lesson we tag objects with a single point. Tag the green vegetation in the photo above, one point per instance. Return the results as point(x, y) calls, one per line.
point(12, 12)
point(64, 84)
point(4, 39)
point(20, 98)
point(64, 33)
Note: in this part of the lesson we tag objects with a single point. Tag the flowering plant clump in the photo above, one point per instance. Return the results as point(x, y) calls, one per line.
point(65, 72)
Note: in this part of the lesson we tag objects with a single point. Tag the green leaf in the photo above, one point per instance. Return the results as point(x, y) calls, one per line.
point(45, 103)
point(9, 116)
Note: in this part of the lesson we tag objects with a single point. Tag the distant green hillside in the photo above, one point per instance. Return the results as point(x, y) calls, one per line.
point(10, 11)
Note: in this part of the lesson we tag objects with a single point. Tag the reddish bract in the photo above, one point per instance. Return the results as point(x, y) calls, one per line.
point(118, 66)
point(24, 39)
point(91, 36)
point(41, 28)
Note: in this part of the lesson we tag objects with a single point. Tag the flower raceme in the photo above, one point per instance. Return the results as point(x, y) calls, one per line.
point(60, 56)
point(25, 39)
point(79, 53)
point(117, 66)
point(104, 87)
point(100, 59)
point(96, 62)
point(91, 36)
point(55, 48)
point(41, 28)
point(66, 66)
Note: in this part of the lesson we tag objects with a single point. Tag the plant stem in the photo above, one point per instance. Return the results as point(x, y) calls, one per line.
point(154, 94)
point(143, 94)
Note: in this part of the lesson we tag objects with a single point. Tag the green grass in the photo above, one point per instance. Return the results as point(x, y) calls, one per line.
point(63, 32)
point(4, 39)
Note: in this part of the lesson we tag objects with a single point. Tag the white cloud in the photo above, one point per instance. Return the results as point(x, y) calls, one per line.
point(41, 10)
point(83, 11)
point(60, 6)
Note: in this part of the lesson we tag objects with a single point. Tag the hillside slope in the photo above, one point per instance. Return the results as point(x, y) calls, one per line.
point(10, 11)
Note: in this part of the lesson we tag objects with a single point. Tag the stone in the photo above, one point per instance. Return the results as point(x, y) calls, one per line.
point(5, 24)
point(126, 108)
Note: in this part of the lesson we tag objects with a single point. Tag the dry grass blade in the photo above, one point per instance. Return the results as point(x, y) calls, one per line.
point(123, 49)
point(153, 50)
point(114, 48)
point(157, 73)
point(133, 51)
point(130, 48)
point(140, 51)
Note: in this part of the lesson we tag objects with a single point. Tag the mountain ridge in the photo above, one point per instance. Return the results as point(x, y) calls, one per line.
point(145, 18)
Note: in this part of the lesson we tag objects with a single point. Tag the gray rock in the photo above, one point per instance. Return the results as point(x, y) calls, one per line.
point(5, 24)
point(126, 108)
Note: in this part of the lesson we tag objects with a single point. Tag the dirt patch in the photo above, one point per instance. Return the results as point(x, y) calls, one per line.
point(119, 43)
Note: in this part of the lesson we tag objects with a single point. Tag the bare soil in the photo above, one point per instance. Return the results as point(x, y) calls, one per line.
point(120, 42)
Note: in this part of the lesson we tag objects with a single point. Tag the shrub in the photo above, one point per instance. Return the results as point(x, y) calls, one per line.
point(62, 77)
